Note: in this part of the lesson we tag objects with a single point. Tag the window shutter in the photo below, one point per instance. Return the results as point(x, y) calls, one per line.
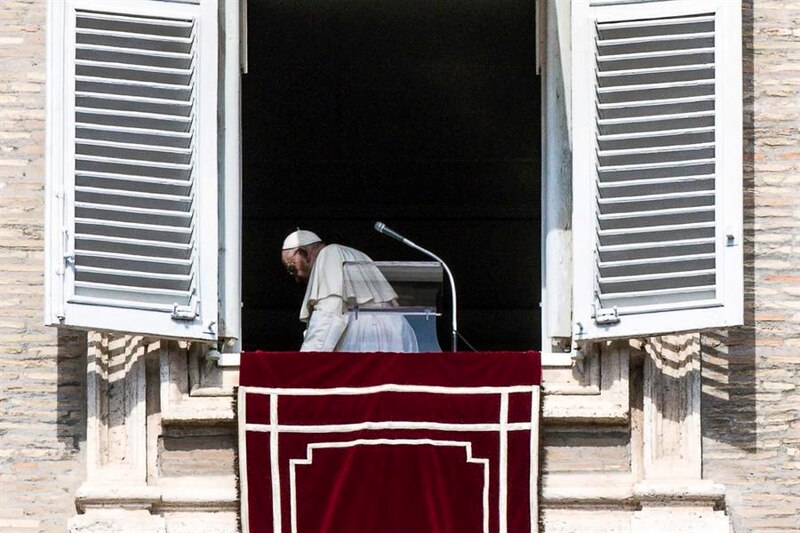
point(657, 167)
point(132, 224)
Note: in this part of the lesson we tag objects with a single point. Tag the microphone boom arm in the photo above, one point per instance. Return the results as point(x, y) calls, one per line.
point(380, 227)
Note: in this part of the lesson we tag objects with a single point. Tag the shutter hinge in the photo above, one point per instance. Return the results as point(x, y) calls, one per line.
point(185, 312)
point(606, 316)
point(68, 255)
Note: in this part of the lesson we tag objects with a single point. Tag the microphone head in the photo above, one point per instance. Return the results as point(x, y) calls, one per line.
point(379, 226)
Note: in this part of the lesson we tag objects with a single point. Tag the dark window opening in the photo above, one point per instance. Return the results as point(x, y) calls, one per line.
point(424, 115)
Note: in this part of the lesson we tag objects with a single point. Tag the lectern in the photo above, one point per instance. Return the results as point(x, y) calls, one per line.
point(418, 285)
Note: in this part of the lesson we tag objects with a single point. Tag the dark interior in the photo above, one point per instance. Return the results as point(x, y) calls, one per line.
point(421, 114)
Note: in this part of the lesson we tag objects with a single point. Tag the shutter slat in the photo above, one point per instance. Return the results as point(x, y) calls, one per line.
point(666, 164)
point(139, 258)
point(150, 21)
point(669, 306)
point(651, 86)
point(133, 225)
point(655, 181)
point(651, 229)
point(650, 23)
point(134, 210)
point(135, 114)
point(131, 289)
point(135, 36)
point(648, 55)
point(133, 51)
point(149, 69)
point(661, 101)
point(655, 213)
point(133, 273)
point(134, 162)
point(654, 134)
point(655, 70)
point(133, 99)
point(650, 118)
point(132, 178)
point(655, 244)
point(136, 194)
point(657, 38)
point(122, 302)
point(656, 149)
point(654, 197)
point(131, 130)
point(660, 276)
point(659, 292)
point(134, 242)
point(142, 147)
point(656, 260)
point(136, 83)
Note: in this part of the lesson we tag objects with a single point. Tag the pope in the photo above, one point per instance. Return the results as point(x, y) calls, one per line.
point(333, 290)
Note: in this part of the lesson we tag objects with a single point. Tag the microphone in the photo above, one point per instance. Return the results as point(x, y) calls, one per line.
point(380, 227)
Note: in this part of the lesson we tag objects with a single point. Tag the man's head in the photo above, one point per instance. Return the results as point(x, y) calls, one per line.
point(299, 251)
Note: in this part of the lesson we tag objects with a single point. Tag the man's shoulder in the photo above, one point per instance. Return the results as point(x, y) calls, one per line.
point(346, 253)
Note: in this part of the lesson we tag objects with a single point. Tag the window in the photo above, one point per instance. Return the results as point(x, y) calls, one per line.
point(143, 173)
point(657, 167)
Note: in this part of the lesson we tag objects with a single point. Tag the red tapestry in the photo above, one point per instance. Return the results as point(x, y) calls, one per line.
point(350, 443)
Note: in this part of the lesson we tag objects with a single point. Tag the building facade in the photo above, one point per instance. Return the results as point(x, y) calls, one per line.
point(107, 431)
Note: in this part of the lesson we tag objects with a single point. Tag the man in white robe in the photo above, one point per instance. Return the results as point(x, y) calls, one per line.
point(332, 290)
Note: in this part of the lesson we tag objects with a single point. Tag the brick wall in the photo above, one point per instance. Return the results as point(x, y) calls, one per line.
point(42, 372)
point(751, 412)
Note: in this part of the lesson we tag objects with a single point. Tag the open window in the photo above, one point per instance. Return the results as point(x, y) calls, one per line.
point(657, 167)
point(422, 115)
point(425, 119)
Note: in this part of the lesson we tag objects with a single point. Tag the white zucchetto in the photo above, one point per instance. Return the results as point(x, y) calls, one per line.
point(299, 238)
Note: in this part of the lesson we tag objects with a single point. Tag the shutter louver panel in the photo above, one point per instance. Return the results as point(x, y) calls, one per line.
point(134, 160)
point(656, 167)
point(655, 99)
point(133, 167)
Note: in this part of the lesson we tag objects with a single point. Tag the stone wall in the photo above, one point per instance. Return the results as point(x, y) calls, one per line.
point(751, 405)
point(42, 372)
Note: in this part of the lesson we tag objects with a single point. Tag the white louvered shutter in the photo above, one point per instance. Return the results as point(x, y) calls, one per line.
point(657, 167)
point(132, 171)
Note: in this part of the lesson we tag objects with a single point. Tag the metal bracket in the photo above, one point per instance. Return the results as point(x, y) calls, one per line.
point(606, 316)
point(185, 312)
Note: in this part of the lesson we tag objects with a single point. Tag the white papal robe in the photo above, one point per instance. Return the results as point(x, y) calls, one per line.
point(331, 291)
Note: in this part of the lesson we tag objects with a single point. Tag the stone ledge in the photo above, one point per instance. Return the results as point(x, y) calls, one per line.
point(592, 409)
point(575, 490)
point(683, 491)
point(622, 490)
point(213, 493)
point(217, 493)
point(185, 415)
point(102, 495)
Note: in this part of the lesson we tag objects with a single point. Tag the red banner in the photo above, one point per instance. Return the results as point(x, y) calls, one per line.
point(349, 443)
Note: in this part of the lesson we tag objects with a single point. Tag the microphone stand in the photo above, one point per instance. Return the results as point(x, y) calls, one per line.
point(380, 227)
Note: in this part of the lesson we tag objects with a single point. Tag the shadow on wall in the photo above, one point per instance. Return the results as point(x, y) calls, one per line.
point(71, 389)
point(729, 357)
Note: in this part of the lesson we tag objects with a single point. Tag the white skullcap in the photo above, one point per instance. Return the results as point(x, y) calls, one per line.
point(299, 238)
